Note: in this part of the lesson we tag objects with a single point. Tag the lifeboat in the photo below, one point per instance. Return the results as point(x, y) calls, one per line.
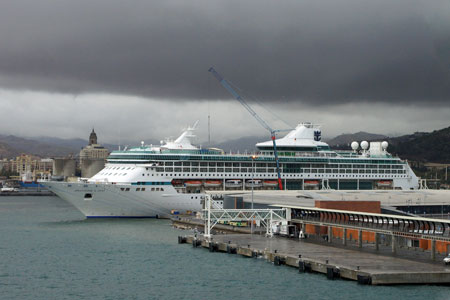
point(233, 183)
point(311, 183)
point(254, 182)
point(270, 183)
point(386, 183)
point(213, 183)
point(193, 183)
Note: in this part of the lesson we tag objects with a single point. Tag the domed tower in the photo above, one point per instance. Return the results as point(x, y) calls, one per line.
point(92, 137)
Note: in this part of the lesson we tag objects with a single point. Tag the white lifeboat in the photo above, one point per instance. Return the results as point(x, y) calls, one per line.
point(253, 182)
point(233, 183)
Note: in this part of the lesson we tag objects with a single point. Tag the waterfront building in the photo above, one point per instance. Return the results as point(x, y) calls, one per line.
point(27, 167)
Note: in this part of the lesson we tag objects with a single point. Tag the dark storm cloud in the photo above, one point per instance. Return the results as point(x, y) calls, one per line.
point(311, 51)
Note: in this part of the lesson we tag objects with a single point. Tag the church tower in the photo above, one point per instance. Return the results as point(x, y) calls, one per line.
point(93, 138)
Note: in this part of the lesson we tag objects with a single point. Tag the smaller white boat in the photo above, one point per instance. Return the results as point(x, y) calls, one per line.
point(7, 189)
point(253, 182)
point(233, 183)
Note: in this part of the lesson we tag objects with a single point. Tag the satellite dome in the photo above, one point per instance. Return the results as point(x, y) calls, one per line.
point(364, 145)
point(384, 145)
point(355, 145)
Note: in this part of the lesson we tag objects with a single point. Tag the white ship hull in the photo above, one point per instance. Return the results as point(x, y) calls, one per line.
point(109, 201)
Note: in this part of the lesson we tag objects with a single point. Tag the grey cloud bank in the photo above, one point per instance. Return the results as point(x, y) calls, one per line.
point(314, 52)
point(128, 120)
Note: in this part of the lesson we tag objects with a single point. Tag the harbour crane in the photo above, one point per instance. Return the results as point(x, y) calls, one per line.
point(239, 98)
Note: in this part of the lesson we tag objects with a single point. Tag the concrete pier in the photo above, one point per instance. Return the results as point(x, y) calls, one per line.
point(335, 262)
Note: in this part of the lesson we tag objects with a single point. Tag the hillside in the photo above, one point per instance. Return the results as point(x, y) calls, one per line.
point(343, 141)
point(422, 146)
point(18, 145)
point(6, 151)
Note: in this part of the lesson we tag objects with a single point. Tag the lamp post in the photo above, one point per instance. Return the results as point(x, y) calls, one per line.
point(253, 185)
point(253, 175)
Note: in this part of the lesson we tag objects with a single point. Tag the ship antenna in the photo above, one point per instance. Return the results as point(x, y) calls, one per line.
point(209, 126)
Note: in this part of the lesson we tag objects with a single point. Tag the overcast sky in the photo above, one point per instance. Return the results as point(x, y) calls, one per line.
point(139, 69)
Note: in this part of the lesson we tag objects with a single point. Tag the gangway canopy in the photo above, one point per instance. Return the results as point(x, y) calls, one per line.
point(417, 227)
point(266, 217)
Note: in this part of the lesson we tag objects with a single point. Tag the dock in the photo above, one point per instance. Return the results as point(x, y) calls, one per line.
point(333, 261)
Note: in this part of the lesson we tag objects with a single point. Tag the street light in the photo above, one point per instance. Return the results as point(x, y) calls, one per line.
point(253, 184)
point(253, 175)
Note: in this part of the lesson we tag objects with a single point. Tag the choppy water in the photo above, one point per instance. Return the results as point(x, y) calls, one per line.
point(48, 251)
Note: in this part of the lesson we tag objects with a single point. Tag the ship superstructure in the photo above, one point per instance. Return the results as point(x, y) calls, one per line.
point(151, 181)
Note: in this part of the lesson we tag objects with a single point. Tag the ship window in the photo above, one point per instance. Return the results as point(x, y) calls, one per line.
point(153, 189)
point(143, 189)
point(127, 189)
point(162, 190)
point(138, 189)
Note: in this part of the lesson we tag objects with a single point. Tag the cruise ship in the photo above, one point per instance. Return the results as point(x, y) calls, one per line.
point(151, 181)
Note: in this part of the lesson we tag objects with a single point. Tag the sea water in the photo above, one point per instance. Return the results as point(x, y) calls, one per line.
point(49, 251)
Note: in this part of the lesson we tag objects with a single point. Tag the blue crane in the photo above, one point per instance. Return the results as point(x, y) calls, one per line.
point(238, 97)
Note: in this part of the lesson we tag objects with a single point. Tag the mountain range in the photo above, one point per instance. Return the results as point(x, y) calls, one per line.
point(420, 146)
